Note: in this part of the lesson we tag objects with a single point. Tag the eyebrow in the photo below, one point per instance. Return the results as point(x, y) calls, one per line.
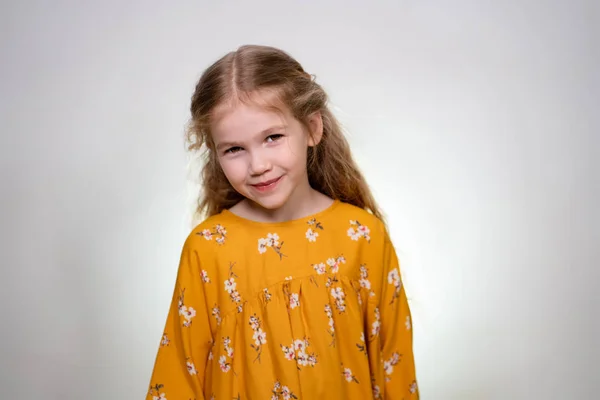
point(264, 132)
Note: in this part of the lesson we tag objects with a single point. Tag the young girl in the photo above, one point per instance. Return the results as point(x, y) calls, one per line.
point(291, 288)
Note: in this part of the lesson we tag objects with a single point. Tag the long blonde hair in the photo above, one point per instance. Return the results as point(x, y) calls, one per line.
point(238, 76)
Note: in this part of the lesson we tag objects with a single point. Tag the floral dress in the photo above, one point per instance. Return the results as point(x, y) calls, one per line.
point(305, 309)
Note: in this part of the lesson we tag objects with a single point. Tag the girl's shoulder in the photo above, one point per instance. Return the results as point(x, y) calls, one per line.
point(352, 218)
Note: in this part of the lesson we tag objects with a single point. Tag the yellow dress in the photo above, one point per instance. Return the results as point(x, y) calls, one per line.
point(307, 309)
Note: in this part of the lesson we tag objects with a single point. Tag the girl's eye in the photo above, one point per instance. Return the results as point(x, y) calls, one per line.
point(233, 150)
point(274, 138)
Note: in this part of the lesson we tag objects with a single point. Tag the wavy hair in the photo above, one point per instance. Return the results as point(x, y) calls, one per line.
point(244, 75)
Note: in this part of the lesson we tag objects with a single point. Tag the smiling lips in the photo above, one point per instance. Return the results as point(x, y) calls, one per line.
point(267, 185)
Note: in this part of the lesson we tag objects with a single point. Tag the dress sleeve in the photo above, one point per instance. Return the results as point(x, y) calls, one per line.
point(391, 334)
point(181, 360)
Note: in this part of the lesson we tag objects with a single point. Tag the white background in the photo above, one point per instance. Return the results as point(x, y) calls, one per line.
point(476, 123)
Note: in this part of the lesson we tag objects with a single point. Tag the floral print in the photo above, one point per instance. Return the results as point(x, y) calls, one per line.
point(191, 368)
point(376, 391)
point(204, 276)
point(394, 279)
point(188, 313)
point(348, 376)
point(413, 387)
point(216, 312)
point(267, 295)
point(259, 337)
point(364, 279)
point(331, 329)
point(218, 232)
point(358, 230)
point(388, 365)
point(165, 340)
point(271, 241)
point(294, 300)
point(223, 362)
point(339, 295)
point(312, 234)
point(333, 263)
point(282, 392)
point(230, 287)
point(236, 307)
point(362, 347)
point(298, 351)
point(376, 324)
point(156, 393)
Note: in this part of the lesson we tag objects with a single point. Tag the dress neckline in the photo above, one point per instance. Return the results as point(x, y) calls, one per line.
point(317, 215)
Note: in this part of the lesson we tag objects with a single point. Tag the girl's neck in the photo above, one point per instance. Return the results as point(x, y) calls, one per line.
point(297, 207)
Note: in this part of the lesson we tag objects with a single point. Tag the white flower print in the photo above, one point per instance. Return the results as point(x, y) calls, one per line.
point(408, 323)
point(165, 340)
point(394, 279)
point(413, 387)
point(331, 281)
point(376, 392)
point(191, 368)
point(347, 373)
point(339, 295)
point(288, 352)
point(298, 351)
point(219, 233)
point(204, 276)
point(294, 300)
point(376, 324)
point(188, 313)
point(311, 235)
point(282, 392)
point(262, 245)
point(155, 392)
point(226, 346)
point(388, 365)
point(267, 295)
point(272, 241)
point(216, 312)
point(224, 365)
point(364, 279)
point(357, 230)
point(331, 329)
point(259, 336)
point(361, 345)
point(334, 263)
point(230, 287)
point(289, 278)
point(320, 268)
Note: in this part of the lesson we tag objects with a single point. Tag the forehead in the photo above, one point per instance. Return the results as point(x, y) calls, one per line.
point(241, 120)
point(248, 116)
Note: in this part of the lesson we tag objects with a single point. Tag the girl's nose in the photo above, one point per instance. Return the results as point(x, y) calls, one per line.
point(259, 164)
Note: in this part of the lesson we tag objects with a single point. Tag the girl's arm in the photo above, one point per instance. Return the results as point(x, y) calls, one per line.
point(181, 359)
point(390, 325)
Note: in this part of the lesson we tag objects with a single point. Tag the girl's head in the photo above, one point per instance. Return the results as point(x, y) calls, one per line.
point(269, 135)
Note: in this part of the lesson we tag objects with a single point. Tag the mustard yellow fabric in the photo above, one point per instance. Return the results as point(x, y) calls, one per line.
point(306, 309)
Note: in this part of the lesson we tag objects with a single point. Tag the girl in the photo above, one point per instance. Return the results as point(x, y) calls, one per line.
point(290, 289)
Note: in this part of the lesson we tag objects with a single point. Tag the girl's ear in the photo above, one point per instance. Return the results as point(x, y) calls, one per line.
point(315, 124)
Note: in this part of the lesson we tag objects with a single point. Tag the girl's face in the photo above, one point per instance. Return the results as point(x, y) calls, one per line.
point(263, 153)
